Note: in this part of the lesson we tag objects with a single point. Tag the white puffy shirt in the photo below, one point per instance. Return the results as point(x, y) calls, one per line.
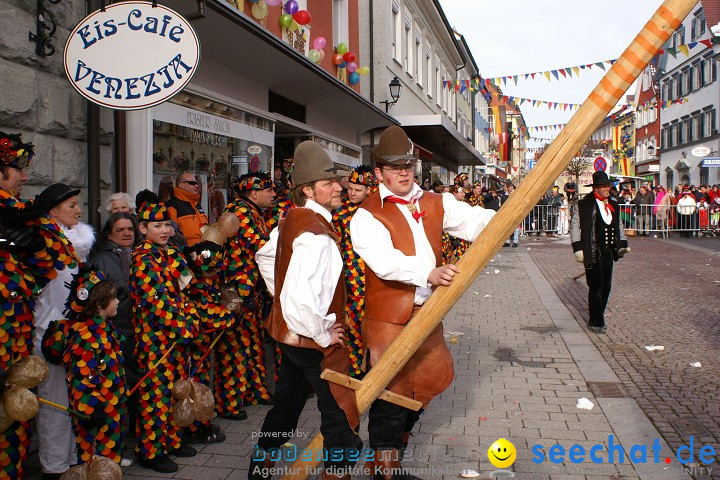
point(372, 241)
point(312, 275)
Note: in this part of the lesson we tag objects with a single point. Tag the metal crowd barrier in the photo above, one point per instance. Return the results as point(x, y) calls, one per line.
point(650, 220)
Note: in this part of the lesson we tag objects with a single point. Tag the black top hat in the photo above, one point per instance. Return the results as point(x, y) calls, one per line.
point(601, 179)
point(54, 195)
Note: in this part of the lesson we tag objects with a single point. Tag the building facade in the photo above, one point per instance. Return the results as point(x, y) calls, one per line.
point(690, 96)
point(411, 40)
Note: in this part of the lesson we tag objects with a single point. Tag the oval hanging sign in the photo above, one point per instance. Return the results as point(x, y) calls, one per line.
point(132, 55)
point(701, 151)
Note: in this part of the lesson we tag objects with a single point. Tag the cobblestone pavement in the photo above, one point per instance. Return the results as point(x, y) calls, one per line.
point(663, 294)
point(517, 377)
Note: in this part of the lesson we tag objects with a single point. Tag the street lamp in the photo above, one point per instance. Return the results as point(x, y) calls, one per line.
point(395, 87)
point(651, 150)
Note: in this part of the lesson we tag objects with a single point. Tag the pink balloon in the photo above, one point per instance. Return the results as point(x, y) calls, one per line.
point(322, 55)
point(351, 67)
point(319, 42)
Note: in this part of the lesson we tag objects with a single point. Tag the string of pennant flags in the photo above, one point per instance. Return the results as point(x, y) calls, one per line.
point(518, 101)
point(567, 72)
point(572, 72)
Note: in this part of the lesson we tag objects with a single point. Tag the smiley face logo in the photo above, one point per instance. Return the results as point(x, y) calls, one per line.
point(502, 453)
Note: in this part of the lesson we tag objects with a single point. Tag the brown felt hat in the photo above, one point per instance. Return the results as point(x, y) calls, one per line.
point(312, 163)
point(394, 148)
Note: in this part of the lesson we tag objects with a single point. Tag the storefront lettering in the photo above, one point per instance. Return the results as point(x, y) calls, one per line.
point(131, 87)
point(92, 34)
point(208, 138)
point(206, 121)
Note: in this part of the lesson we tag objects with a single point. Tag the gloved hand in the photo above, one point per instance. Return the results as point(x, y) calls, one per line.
point(21, 239)
point(97, 418)
point(580, 256)
point(623, 251)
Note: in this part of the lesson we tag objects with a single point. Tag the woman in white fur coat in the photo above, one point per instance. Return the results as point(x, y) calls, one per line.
point(57, 440)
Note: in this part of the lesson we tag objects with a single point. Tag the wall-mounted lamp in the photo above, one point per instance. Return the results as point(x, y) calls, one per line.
point(395, 87)
point(45, 27)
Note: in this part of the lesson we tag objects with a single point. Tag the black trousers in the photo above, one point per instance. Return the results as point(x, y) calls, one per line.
point(388, 422)
point(599, 281)
point(299, 372)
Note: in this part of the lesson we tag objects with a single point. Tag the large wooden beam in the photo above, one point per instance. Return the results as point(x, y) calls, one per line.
point(552, 163)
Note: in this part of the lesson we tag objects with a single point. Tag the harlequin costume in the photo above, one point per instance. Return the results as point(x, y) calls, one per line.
point(205, 259)
point(157, 276)
point(89, 349)
point(354, 269)
point(241, 352)
point(475, 200)
point(453, 247)
point(26, 266)
point(280, 207)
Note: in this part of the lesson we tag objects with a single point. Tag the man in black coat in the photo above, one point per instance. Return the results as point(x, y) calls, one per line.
point(598, 240)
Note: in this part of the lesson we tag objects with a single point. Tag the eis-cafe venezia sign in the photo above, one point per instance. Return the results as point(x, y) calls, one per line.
point(132, 55)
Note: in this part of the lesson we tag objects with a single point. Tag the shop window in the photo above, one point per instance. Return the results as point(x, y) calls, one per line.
point(340, 22)
point(211, 140)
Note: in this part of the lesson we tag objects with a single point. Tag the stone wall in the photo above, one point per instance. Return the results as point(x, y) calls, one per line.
point(37, 100)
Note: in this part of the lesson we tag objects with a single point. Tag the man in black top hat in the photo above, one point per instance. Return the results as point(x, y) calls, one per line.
point(598, 240)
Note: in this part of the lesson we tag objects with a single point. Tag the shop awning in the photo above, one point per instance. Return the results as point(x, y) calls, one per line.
point(437, 134)
point(233, 40)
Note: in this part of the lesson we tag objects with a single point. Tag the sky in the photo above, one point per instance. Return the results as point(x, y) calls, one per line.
point(512, 37)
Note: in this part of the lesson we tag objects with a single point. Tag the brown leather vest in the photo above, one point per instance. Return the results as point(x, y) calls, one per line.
point(389, 301)
point(297, 222)
point(335, 357)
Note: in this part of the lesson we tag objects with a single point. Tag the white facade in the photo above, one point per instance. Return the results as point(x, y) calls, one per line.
point(687, 125)
point(411, 40)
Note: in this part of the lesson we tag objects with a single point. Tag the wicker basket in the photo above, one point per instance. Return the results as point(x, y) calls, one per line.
point(630, 232)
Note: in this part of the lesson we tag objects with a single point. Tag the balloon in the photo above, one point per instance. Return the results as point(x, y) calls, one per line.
point(259, 10)
point(343, 65)
point(302, 17)
point(322, 55)
point(286, 20)
point(291, 7)
point(351, 67)
point(354, 78)
point(363, 70)
point(319, 43)
point(314, 55)
point(337, 59)
point(273, 3)
point(294, 26)
point(349, 57)
point(342, 49)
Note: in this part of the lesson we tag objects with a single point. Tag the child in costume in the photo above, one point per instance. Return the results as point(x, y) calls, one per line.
point(158, 275)
point(206, 259)
point(87, 344)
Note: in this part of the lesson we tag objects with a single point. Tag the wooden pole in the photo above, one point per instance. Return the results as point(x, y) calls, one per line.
point(552, 163)
point(62, 407)
point(150, 370)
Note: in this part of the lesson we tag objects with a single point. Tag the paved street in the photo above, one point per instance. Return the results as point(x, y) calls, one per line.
point(663, 294)
point(523, 359)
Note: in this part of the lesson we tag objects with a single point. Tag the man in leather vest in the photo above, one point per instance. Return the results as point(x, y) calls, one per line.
point(598, 240)
point(302, 267)
point(398, 233)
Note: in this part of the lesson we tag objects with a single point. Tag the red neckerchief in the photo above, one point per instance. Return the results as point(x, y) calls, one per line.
point(416, 214)
point(608, 208)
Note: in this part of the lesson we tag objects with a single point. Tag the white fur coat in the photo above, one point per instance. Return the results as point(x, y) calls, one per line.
point(51, 302)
